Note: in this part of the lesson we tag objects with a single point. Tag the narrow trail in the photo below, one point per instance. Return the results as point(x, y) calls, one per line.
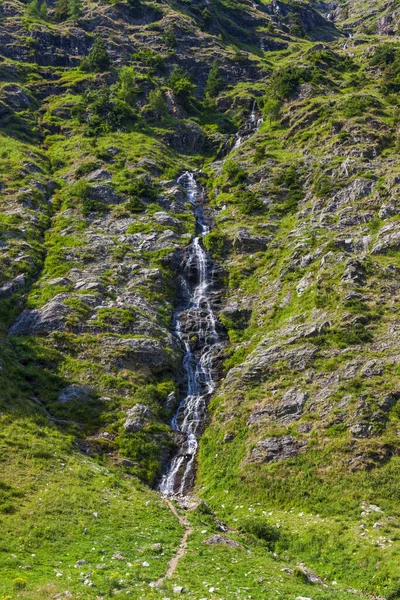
point(173, 563)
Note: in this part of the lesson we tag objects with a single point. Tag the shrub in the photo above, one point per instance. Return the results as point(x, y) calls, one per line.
point(217, 243)
point(169, 37)
point(262, 530)
point(86, 168)
point(249, 202)
point(181, 85)
point(149, 58)
point(358, 104)
point(271, 109)
point(285, 81)
point(234, 173)
point(157, 103)
point(126, 86)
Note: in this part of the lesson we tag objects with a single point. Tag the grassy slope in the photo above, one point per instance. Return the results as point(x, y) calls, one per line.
point(316, 498)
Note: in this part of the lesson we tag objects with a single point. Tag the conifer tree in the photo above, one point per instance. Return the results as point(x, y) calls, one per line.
point(214, 82)
point(74, 9)
point(61, 11)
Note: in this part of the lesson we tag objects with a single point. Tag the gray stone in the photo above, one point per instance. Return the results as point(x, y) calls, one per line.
point(286, 410)
point(104, 193)
point(8, 289)
point(245, 242)
point(221, 540)
point(134, 353)
point(99, 175)
point(78, 393)
point(276, 448)
point(138, 416)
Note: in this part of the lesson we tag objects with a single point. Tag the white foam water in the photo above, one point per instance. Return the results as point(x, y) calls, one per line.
point(195, 319)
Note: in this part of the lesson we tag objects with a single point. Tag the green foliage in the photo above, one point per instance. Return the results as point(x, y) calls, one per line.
point(290, 179)
point(285, 81)
point(75, 9)
point(387, 57)
point(217, 243)
point(98, 60)
point(323, 186)
point(135, 7)
point(156, 103)
point(149, 58)
point(169, 37)
point(205, 19)
point(37, 9)
point(234, 173)
point(358, 104)
point(101, 111)
point(61, 11)
point(271, 109)
point(249, 202)
point(86, 168)
point(146, 449)
point(214, 81)
point(262, 530)
point(181, 85)
point(296, 28)
point(127, 88)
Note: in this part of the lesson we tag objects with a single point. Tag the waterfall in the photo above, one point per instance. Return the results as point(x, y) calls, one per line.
point(196, 327)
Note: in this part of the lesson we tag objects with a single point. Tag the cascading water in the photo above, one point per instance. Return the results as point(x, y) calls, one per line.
point(196, 327)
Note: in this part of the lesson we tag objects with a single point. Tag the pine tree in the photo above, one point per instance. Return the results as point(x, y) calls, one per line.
point(157, 103)
point(214, 82)
point(98, 59)
point(61, 11)
point(169, 38)
point(43, 10)
point(75, 9)
point(33, 8)
point(126, 87)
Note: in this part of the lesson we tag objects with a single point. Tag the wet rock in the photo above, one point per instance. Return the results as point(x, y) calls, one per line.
point(138, 417)
point(276, 448)
point(222, 540)
point(172, 401)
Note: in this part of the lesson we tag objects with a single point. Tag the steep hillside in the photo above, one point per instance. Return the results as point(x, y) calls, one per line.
point(286, 114)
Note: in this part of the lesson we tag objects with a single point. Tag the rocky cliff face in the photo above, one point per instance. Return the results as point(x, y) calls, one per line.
point(287, 113)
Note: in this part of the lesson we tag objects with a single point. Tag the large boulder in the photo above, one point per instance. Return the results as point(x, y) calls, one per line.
point(288, 409)
point(138, 417)
point(244, 242)
point(276, 448)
